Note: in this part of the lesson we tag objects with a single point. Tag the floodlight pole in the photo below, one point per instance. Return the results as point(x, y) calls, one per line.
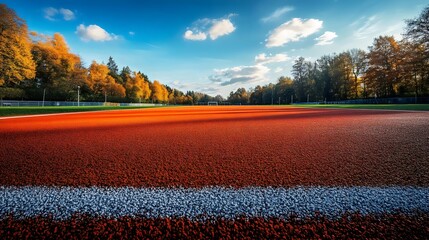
point(78, 96)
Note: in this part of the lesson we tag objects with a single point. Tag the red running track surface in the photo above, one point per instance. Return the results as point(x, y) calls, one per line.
point(349, 226)
point(234, 146)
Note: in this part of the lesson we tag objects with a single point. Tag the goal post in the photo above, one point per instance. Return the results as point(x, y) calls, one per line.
point(212, 103)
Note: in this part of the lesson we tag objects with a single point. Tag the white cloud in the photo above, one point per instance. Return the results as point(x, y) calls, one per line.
point(199, 36)
point(374, 26)
point(131, 33)
point(367, 27)
point(208, 89)
point(278, 69)
point(395, 30)
point(240, 74)
point(293, 31)
point(179, 85)
point(264, 59)
point(52, 13)
point(94, 33)
point(326, 38)
point(67, 14)
point(220, 28)
point(213, 28)
point(277, 14)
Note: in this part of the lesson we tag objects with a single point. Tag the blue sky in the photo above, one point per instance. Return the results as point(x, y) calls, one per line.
point(215, 46)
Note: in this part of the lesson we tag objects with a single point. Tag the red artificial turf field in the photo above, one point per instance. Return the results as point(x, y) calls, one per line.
point(217, 146)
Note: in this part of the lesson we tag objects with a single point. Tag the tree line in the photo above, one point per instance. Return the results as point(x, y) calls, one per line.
point(389, 68)
point(33, 65)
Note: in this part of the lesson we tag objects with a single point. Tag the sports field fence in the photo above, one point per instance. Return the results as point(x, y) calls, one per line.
point(397, 100)
point(19, 103)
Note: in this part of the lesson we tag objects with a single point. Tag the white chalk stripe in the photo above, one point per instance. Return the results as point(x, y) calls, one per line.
point(63, 202)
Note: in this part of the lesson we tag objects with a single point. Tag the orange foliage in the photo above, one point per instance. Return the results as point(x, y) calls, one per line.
point(15, 49)
point(159, 92)
point(138, 88)
point(100, 82)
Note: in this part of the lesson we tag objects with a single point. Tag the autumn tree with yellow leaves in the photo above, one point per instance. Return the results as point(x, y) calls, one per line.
point(137, 88)
point(159, 92)
point(101, 83)
point(16, 61)
point(57, 69)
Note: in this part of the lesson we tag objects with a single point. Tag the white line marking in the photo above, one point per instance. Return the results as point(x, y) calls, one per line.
point(63, 202)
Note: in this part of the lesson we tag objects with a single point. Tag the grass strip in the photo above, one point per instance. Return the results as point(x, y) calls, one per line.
point(16, 111)
point(409, 107)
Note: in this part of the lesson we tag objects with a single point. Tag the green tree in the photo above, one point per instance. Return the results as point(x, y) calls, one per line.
point(284, 89)
point(240, 96)
point(114, 71)
point(384, 66)
point(218, 98)
point(11, 93)
point(417, 32)
point(268, 94)
point(414, 69)
point(418, 29)
point(256, 95)
point(324, 77)
point(359, 64)
point(305, 76)
point(125, 74)
point(299, 74)
point(343, 71)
